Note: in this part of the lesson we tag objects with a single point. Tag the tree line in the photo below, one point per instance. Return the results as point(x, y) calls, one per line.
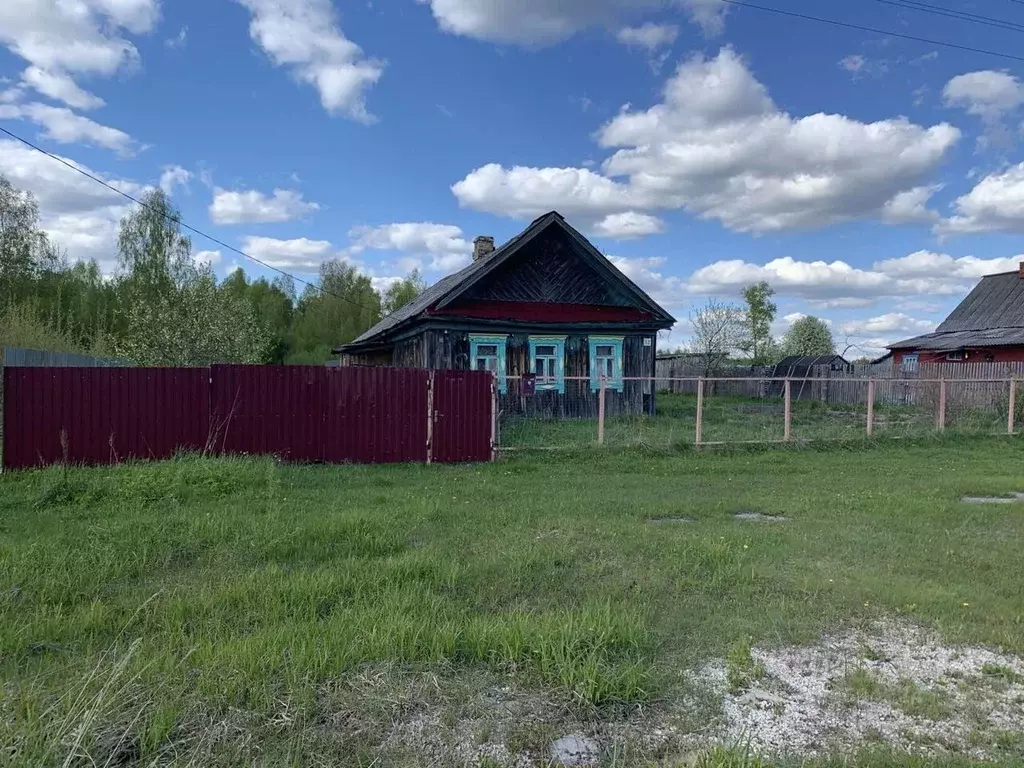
point(725, 331)
point(162, 307)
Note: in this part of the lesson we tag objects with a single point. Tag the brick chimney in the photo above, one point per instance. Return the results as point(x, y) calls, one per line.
point(1021, 270)
point(483, 246)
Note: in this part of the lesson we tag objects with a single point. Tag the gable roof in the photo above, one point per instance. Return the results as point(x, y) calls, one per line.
point(992, 315)
point(442, 293)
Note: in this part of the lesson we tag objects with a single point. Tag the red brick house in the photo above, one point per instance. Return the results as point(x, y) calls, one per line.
point(987, 327)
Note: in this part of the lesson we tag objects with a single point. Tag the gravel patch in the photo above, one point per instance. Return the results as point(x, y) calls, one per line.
point(895, 684)
point(758, 517)
point(1011, 499)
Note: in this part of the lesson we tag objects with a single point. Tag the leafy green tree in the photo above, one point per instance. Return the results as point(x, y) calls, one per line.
point(25, 251)
point(758, 321)
point(809, 336)
point(403, 292)
point(175, 312)
point(347, 306)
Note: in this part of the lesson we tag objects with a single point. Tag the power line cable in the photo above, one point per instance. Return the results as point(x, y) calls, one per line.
point(873, 30)
point(912, 5)
point(181, 223)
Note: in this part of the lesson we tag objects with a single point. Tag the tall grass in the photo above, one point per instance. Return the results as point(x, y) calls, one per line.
point(199, 611)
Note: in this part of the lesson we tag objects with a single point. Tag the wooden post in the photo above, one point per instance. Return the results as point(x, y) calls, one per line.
point(430, 418)
point(494, 417)
point(1010, 426)
point(940, 421)
point(788, 430)
point(700, 411)
point(871, 407)
point(600, 412)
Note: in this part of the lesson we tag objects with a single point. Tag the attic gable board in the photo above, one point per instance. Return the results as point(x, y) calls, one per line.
point(550, 269)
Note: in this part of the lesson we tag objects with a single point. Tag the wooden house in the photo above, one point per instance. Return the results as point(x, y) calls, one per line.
point(986, 327)
point(546, 312)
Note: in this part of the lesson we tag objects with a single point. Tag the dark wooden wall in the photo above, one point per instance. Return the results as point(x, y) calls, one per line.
point(442, 350)
point(449, 350)
point(550, 272)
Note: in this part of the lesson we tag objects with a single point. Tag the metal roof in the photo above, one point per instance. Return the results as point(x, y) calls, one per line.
point(992, 315)
point(447, 288)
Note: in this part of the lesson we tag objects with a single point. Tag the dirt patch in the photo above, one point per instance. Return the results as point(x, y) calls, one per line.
point(895, 684)
point(1011, 499)
point(670, 520)
point(758, 517)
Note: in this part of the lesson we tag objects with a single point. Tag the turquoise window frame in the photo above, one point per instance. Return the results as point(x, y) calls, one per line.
point(615, 382)
point(558, 342)
point(501, 342)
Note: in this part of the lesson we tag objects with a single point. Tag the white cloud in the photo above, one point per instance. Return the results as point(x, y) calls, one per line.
point(178, 42)
point(992, 96)
point(987, 94)
point(650, 35)
point(79, 37)
point(718, 147)
point(174, 176)
point(304, 36)
point(889, 323)
point(207, 258)
point(300, 254)
point(65, 127)
point(445, 244)
point(911, 206)
point(79, 215)
point(624, 226)
point(60, 87)
point(926, 264)
point(996, 204)
point(852, 63)
point(541, 22)
point(837, 284)
point(253, 207)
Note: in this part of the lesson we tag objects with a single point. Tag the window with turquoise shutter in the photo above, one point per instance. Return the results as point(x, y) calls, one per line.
point(606, 362)
point(487, 353)
point(547, 362)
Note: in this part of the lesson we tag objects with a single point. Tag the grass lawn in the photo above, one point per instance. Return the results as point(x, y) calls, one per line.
point(734, 419)
point(232, 612)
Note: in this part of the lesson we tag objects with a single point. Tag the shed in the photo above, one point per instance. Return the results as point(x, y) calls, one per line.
point(804, 367)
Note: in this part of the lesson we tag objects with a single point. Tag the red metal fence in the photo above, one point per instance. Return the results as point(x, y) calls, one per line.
point(300, 413)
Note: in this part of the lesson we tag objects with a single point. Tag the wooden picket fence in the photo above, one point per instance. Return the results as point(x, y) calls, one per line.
point(977, 385)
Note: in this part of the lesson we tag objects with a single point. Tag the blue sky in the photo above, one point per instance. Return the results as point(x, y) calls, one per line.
point(703, 146)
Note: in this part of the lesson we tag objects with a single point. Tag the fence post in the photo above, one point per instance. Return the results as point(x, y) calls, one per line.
point(871, 407)
point(430, 418)
point(700, 411)
point(941, 416)
point(787, 432)
point(1010, 426)
point(494, 417)
point(600, 412)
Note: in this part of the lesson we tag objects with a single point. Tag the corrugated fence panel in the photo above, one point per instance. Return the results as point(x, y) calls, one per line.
point(299, 413)
point(463, 406)
point(316, 413)
point(102, 415)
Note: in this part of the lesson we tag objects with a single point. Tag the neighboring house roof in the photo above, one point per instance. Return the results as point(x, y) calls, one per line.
point(992, 315)
point(449, 288)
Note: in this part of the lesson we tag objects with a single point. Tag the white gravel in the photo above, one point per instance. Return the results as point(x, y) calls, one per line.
point(802, 707)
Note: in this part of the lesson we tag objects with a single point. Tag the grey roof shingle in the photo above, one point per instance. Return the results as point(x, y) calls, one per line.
point(992, 315)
